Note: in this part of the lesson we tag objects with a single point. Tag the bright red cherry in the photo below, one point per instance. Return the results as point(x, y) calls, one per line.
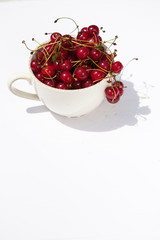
point(61, 85)
point(115, 100)
point(93, 29)
point(55, 37)
point(50, 82)
point(104, 65)
point(56, 65)
point(117, 67)
point(35, 66)
point(66, 77)
point(81, 74)
point(87, 83)
point(95, 54)
point(82, 36)
point(48, 71)
point(120, 87)
point(85, 29)
point(66, 65)
point(40, 77)
point(111, 92)
point(82, 53)
point(97, 74)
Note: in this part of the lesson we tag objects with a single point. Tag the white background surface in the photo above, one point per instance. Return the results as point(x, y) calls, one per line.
point(95, 177)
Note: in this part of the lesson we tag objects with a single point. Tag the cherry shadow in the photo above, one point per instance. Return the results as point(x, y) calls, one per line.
point(107, 116)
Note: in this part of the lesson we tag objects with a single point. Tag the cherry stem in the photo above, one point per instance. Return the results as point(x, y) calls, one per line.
point(77, 27)
point(27, 46)
point(127, 65)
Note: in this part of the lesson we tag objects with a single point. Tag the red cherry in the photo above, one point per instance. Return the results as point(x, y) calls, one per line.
point(111, 92)
point(55, 37)
point(99, 39)
point(35, 66)
point(92, 41)
point(107, 57)
point(56, 65)
point(81, 74)
point(66, 42)
point(63, 54)
point(104, 65)
point(120, 87)
point(76, 84)
point(66, 65)
point(40, 54)
point(61, 85)
point(82, 53)
point(95, 54)
point(82, 36)
point(117, 67)
point(87, 83)
point(48, 71)
point(85, 29)
point(40, 77)
point(66, 77)
point(93, 29)
point(97, 74)
point(115, 100)
point(50, 82)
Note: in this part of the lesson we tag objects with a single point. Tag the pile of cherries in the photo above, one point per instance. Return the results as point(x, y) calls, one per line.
point(67, 62)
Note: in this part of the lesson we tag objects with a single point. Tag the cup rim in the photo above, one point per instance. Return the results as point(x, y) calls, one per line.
point(63, 90)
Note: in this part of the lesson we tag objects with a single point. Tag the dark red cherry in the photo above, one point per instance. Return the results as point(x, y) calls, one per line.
point(93, 29)
point(104, 65)
point(111, 92)
point(35, 66)
point(117, 67)
point(95, 54)
point(81, 74)
point(82, 53)
point(97, 74)
point(55, 37)
point(120, 87)
point(66, 65)
point(48, 71)
point(66, 77)
point(61, 85)
point(115, 100)
point(87, 83)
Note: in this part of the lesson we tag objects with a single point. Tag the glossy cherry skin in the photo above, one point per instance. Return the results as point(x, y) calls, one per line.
point(120, 87)
point(115, 100)
point(97, 74)
point(117, 67)
point(66, 77)
point(61, 85)
point(50, 82)
point(81, 73)
point(111, 92)
point(82, 53)
point(93, 29)
point(95, 54)
point(87, 83)
point(35, 66)
point(55, 37)
point(104, 65)
point(76, 84)
point(66, 65)
point(48, 71)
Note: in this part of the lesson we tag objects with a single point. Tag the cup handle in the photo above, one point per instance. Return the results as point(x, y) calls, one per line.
point(19, 76)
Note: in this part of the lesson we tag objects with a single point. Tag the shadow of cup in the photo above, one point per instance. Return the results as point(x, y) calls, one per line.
point(107, 116)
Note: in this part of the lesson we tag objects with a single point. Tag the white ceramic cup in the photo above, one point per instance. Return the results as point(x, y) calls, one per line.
point(70, 103)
